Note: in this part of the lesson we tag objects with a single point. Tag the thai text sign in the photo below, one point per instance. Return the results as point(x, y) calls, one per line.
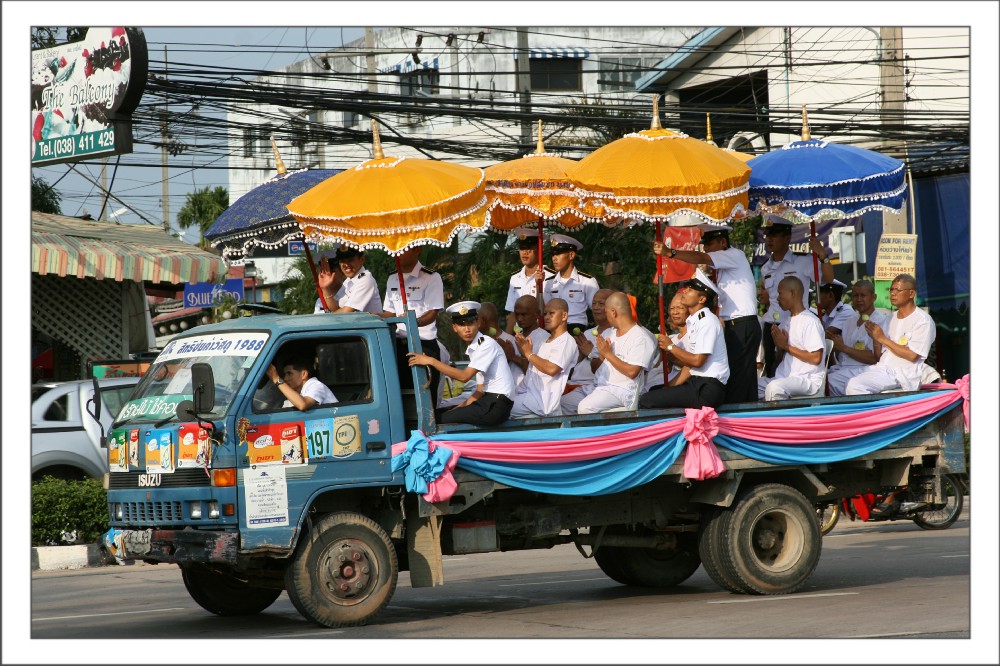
point(205, 295)
point(83, 95)
point(897, 253)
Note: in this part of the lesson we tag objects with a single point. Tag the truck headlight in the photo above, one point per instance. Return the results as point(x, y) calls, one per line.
point(213, 509)
point(195, 510)
point(118, 511)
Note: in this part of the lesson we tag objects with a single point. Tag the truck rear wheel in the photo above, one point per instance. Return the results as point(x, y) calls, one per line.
point(224, 595)
point(650, 567)
point(771, 543)
point(713, 526)
point(343, 572)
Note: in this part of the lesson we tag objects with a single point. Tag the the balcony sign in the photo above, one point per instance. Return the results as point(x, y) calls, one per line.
point(206, 295)
point(83, 95)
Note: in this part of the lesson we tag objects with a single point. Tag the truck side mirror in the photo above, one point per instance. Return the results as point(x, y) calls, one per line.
point(203, 387)
point(96, 400)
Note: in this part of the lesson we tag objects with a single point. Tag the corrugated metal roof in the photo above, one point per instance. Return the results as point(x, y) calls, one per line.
point(68, 246)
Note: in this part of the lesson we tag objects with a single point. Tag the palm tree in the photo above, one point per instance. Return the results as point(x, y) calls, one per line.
point(201, 208)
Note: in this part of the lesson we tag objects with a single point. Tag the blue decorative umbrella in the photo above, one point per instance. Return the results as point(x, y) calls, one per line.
point(812, 180)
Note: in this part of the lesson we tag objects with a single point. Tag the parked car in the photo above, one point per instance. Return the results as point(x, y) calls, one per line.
point(65, 440)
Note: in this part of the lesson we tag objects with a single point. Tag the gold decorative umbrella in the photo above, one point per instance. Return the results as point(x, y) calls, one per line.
point(393, 204)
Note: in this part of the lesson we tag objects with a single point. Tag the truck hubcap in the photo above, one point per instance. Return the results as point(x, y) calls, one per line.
point(347, 574)
point(777, 540)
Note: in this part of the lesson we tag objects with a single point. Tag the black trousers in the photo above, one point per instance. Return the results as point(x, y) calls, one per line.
point(491, 409)
point(695, 393)
point(770, 360)
point(742, 336)
point(429, 347)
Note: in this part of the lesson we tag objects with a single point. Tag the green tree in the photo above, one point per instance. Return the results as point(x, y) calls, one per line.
point(44, 197)
point(43, 37)
point(202, 207)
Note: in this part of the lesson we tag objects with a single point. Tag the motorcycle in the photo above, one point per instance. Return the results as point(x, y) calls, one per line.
point(906, 505)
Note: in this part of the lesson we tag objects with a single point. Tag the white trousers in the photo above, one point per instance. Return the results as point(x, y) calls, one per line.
point(603, 398)
point(571, 401)
point(875, 379)
point(528, 404)
point(787, 387)
point(838, 376)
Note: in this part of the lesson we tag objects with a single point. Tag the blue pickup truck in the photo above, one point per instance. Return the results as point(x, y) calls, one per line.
point(209, 469)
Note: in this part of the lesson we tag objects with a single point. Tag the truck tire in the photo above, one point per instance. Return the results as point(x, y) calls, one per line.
point(771, 543)
point(650, 567)
point(943, 517)
point(713, 526)
point(343, 572)
point(224, 595)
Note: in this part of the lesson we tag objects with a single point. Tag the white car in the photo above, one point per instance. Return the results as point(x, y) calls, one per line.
point(65, 439)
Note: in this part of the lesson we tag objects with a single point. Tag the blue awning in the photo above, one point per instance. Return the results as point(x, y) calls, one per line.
point(559, 52)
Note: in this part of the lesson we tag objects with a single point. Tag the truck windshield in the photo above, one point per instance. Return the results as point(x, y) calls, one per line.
point(168, 380)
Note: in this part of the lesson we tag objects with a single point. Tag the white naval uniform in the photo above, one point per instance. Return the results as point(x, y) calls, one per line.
point(794, 377)
point(539, 393)
point(582, 376)
point(359, 292)
point(916, 332)
point(487, 357)
point(317, 390)
point(840, 317)
point(577, 290)
point(773, 272)
point(855, 336)
point(705, 336)
point(734, 278)
point(612, 388)
point(424, 292)
point(523, 285)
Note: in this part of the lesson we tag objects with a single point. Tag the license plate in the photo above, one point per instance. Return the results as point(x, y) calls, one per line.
point(136, 543)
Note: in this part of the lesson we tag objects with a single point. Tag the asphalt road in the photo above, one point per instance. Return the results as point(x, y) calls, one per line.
point(873, 581)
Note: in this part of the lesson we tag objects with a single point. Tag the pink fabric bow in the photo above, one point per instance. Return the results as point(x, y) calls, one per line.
point(701, 458)
point(964, 385)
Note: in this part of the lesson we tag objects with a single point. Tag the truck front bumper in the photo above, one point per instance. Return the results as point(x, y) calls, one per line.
point(174, 546)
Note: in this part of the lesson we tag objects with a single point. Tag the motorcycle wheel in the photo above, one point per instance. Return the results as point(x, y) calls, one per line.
point(828, 515)
point(943, 516)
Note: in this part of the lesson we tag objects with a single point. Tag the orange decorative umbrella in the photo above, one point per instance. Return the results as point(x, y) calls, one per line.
point(393, 203)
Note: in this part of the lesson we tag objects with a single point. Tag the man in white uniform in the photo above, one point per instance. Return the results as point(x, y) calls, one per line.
point(902, 349)
point(800, 372)
point(703, 354)
point(836, 314)
point(525, 281)
point(539, 393)
point(737, 305)
point(569, 284)
point(490, 404)
point(425, 296)
point(489, 324)
point(581, 378)
point(625, 357)
point(301, 389)
point(781, 264)
point(854, 349)
point(358, 291)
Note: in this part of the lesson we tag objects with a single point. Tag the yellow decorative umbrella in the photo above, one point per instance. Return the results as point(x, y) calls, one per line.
point(534, 188)
point(393, 203)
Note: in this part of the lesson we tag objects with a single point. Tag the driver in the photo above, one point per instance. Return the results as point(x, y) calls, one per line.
point(301, 389)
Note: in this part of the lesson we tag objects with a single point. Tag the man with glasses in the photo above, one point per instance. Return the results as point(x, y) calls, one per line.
point(902, 348)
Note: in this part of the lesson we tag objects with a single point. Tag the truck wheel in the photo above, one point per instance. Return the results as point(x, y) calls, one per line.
point(713, 526)
point(224, 595)
point(944, 516)
point(343, 572)
point(771, 542)
point(651, 567)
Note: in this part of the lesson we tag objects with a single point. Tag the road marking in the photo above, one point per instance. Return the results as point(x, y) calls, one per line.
point(963, 555)
point(901, 633)
point(784, 597)
point(80, 617)
point(555, 582)
point(306, 634)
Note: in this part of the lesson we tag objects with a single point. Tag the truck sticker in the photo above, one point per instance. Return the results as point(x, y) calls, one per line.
point(133, 448)
point(117, 450)
point(159, 451)
point(373, 426)
point(266, 496)
point(193, 446)
point(220, 344)
point(319, 438)
point(346, 436)
point(276, 444)
point(152, 407)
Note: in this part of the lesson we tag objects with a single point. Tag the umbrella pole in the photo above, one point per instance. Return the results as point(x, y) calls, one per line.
point(819, 308)
point(659, 288)
point(312, 269)
point(538, 282)
point(402, 287)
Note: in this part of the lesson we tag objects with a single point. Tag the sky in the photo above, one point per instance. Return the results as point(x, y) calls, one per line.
point(19, 16)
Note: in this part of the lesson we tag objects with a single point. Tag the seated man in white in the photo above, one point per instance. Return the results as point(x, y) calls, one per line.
point(853, 347)
point(902, 349)
point(625, 356)
point(301, 389)
point(581, 378)
point(801, 339)
point(548, 369)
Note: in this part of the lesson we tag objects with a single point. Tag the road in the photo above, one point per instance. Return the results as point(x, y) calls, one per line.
point(873, 580)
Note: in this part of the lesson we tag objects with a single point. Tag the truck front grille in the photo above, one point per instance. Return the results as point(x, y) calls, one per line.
point(157, 512)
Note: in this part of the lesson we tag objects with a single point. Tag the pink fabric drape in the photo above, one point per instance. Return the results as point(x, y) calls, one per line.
point(701, 458)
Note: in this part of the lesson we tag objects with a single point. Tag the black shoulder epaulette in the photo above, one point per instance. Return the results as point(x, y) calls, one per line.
point(701, 315)
point(427, 270)
point(515, 273)
point(480, 340)
point(579, 272)
point(546, 269)
point(551, 277)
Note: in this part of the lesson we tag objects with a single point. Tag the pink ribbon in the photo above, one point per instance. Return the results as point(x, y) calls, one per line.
point(701, 458)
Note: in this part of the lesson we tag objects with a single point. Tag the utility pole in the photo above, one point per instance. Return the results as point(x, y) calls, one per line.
point(163, 155)
point(370, 59)
point(524, 85)
point(892, 87)
point(104, 188)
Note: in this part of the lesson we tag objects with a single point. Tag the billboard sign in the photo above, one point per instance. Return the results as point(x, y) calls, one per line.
point(83, 95)
point(298, 247)
point(206, 294)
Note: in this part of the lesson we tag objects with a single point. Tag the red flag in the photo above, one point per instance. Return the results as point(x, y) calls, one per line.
point(681, 238)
